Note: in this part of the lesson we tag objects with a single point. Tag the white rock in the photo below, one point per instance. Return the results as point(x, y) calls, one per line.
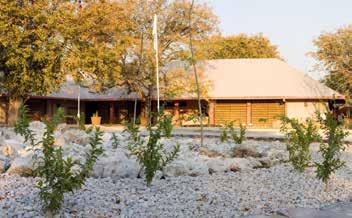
point(10, 147)
point(22, 166)
point(216, 165)
point(38, 129)
point(76, 136)
point(176, 168)
point(106, 137)
point(116, 166)
point(60, 141)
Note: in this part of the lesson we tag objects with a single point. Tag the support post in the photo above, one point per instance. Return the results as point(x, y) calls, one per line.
point(176, 118)
point(112, 113)
point(249, 114)
point(14, 106)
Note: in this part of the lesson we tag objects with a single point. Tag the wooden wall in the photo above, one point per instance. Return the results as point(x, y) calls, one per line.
point(257, 114)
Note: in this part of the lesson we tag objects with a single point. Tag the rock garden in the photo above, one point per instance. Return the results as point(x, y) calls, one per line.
point(218, 179)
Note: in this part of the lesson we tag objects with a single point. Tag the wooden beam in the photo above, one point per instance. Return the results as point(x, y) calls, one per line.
point(112, 113)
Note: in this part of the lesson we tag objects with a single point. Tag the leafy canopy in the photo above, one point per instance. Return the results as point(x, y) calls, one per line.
point(30, 47)
point(237, 46)
point(333, 56)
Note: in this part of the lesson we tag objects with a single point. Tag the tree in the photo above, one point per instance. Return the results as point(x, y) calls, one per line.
point(333, 56)
point(42, 41)
point(31, 53)
point(138, 63)
point(96, 37)
point(237, 46)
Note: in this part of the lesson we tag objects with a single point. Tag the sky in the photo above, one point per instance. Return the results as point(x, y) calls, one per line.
point(292, 25)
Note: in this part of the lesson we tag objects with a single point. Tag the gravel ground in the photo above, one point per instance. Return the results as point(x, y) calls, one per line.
point(261, 191)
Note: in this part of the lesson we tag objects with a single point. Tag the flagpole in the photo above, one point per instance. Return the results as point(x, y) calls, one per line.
point(155, 33)
point(79, 102)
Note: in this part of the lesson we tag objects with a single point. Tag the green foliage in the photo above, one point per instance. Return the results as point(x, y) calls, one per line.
point(299, 136)
point(31, 51)
point(133, 130)
point(331, 149)
point(238, 46)
point(151, 154)
point(57, 175)
point(224, 137)
point(228, 131)
point(81, 121)
point(22, 126)
point(332, 54)
point(165, 123)
point(115, 140)
point(238, 139)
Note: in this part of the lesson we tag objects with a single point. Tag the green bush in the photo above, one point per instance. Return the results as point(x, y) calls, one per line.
point(299, 136)
point(330, 150)
point(151, 155)
point(133, 130)
point(241, 136)
point(115, 141)
point(56, 173)
point(22, 126)
point(165, 124)
point(228, 131)
point(81, 121)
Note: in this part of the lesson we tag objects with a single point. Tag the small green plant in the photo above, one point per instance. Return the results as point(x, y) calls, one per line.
point(133, 130)
point(115, 141)
point(22, 126)
point(165, 123)
point(263, 120)
point(299, 136)
point(224, 137)
point(81, 121)
point(228, 131)
point(151, 154)
point(56, 172)
point(96, 114)
point(330, 150)
point(241, 136)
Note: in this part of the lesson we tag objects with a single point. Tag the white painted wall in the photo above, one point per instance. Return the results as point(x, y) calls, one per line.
point(303, 110)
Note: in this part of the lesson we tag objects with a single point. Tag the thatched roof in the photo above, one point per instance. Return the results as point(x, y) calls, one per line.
point(231, 79)
point(262, 79)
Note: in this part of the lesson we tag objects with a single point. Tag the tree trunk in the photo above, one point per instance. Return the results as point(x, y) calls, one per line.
point(13, 110)
point(135, 111)
point(200, 114)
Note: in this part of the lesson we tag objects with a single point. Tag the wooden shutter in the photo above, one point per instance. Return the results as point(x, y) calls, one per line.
point(265, 113)
point(226, 111)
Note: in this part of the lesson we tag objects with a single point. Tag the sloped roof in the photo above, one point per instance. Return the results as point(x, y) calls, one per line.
point(267, 78)
point(70, 91)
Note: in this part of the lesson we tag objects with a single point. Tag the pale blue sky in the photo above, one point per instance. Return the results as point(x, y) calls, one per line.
point(290, 24)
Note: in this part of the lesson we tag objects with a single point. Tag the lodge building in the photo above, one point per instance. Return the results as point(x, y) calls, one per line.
point(254, 92)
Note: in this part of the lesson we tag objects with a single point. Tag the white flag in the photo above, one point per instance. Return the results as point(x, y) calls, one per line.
point(155, 32)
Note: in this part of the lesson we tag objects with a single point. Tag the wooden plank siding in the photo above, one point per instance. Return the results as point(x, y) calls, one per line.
point(265, 114)
point(256, 114)
point(226, 111)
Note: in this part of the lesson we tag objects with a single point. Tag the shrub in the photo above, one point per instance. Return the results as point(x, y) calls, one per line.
point(115, 141)
point(239, 138)
point(56, 173)
point(165, 124)
point(81, 121)
point(22, 126)
point(151, 154)
point(133, 130)
point(228, 131)
point(330, 150)
point(299, 136)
